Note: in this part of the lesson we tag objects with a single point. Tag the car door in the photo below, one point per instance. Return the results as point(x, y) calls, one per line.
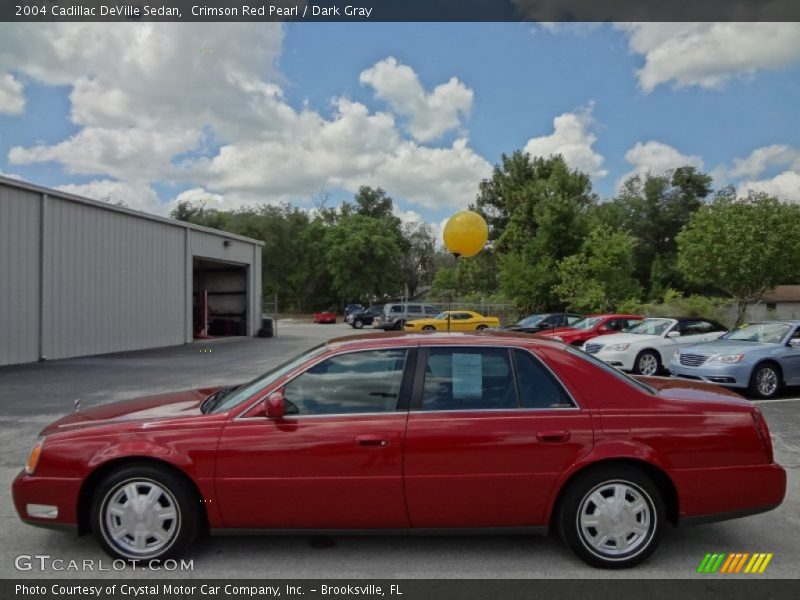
point(692, 331)
point(483, 448)
point(334, 460)
point(789, 358)
point(460, 321)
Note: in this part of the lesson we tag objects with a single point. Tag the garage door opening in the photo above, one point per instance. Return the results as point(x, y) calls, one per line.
point(219, 298)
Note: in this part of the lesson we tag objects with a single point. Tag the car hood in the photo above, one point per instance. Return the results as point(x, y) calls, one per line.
point(624, 338)
point(726, 347)
point(147, 408)
point(684, 390)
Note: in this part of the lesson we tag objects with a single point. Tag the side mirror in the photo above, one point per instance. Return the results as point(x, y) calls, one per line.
point(674, 334)
point(605, 329)
point(276, 406)
point(793, 343)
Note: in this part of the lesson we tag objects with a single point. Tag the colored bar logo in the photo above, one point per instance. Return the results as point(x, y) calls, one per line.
point(735, 562)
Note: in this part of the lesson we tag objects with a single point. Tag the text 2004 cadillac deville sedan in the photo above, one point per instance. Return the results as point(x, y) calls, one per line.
point(410, 433)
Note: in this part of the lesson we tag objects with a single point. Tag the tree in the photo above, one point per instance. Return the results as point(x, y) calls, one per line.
point(742, 246)
point(537, 210)
point(654, 208)
point(419, 250)
point(363, 257)
point(373, 203)
point(600, 277)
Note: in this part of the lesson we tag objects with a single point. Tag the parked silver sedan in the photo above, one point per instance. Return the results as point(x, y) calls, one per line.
point(759, 357)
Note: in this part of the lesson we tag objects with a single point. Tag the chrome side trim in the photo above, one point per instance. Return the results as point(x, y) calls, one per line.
point(521, 530)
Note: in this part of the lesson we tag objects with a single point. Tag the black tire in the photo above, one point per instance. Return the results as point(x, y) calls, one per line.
point(648, 357)
point(766, 381)
point(177, 495)
point(480, 328)
point(429, 328)
point(358, 323)
point(399, 325)
point(577, 501)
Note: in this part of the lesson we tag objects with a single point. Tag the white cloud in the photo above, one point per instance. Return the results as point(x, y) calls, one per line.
point(761, 159)
point(573, 139)
point(431, 114)
point(657, 158)
point(199, 197)
point(785, 186)
point(202, 104)
point(12, 98)
point(136, 196)
point(709, 54)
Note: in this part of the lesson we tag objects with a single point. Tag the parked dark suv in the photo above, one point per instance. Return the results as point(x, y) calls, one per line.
point(357, 320)
point(395, 315)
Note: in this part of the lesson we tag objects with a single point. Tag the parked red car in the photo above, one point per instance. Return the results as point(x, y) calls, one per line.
point(324, 317)
point(590, 327)
point(404, 432)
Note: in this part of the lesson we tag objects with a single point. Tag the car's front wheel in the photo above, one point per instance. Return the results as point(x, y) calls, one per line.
point(612, 517)
point(358, 323)
point(143, 512)
point(766, 381)
point(647, 363)
point(429, 328)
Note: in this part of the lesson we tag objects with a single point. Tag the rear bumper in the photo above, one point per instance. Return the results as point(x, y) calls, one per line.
point(47, 501)
point(706, 495)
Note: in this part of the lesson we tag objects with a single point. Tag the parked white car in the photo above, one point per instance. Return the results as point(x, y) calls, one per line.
point(646, 348)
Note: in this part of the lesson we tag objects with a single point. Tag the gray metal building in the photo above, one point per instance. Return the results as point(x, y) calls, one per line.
point(81, 277)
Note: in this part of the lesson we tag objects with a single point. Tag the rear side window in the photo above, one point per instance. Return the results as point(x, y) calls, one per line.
point(396, 308)
point(415, 308)
point(537, 387)
point(468, 379)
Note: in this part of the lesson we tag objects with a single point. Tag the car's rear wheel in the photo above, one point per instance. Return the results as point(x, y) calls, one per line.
point(429, 328)
point(358, 323)
point(612, 517)
point(766, 381)
point(480, 327)
point(647, 363)
point(143, 512)
point(399, 325)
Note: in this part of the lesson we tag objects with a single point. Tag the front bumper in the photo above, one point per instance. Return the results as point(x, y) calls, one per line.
point(47, 501)
point(735, 375)
point(622, 360)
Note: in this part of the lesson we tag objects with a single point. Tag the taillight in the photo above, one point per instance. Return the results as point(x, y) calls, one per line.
point(763, 433)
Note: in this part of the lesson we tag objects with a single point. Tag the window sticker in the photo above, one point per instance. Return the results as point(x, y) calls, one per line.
point(467, 376)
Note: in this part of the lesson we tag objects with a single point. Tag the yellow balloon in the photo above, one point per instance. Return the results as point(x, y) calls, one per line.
point(465, 233)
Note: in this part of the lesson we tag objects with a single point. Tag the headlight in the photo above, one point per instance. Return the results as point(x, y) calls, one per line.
point(33, 457)
point(726, 359)
point(617, 347)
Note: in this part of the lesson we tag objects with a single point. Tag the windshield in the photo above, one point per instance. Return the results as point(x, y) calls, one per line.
point(441, 316)
point(767, 333)
point(609, 369)
point(587, 323)
point(236, 396)
point(531, 320)
point(652, 327)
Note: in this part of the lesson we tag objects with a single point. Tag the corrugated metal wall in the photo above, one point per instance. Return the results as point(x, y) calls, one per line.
point(19, 275)
point(86, 279)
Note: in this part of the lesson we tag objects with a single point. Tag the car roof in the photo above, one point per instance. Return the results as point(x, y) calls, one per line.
point(404, 338)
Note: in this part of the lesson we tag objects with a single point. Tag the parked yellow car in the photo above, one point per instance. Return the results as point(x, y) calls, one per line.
point(460, 320)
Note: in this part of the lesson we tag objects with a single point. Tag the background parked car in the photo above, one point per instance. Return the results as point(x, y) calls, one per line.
point(590, 327)
point(351, 309)
point(357, 320)
point(762, 357)
point(453, 320)
point(324, 317)
point(543, 321)
point(646, 348)
point(395, 315)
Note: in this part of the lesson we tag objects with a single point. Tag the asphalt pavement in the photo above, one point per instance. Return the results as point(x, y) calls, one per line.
point(33, 395)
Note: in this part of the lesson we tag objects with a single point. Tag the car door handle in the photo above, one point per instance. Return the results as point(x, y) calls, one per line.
point(553, 436)
point(372, 441)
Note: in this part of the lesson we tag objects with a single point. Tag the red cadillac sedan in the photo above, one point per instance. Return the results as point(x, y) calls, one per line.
point(409, 432)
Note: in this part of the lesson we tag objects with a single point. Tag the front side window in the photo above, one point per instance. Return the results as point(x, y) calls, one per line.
point(357, 382)
point(468, 379)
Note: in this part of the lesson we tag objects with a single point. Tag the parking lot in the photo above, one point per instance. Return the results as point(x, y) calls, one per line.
point(33, 395)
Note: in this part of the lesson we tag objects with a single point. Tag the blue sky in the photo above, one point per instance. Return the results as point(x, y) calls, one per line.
point(236, 114)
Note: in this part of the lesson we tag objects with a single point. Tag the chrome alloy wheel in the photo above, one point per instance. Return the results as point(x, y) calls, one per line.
point(767, 381)
point(616, 520)
point(648, 364)
point(141, 518)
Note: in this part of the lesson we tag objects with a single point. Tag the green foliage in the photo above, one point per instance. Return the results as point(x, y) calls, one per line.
point(600, 277)
point(742, 246)
point(537, 210)
point(674, 303)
